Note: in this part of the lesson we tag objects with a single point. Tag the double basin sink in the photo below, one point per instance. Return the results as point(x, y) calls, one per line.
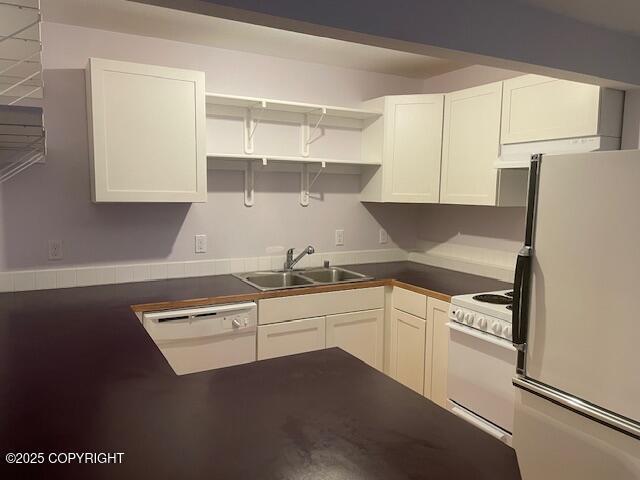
point(277, 280)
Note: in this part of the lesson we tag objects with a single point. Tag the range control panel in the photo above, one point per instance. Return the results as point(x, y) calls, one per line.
point(480, 321)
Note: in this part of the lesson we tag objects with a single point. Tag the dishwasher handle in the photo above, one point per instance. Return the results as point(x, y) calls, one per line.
point(168, 315)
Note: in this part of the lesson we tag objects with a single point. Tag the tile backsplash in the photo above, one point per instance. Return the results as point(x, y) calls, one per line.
point(16, 281)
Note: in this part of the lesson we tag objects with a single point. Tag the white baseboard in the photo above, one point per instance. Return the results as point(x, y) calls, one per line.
point(16, 281)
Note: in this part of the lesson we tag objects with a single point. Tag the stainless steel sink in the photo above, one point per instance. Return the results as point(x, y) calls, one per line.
point(277, 280)
point(332, 275)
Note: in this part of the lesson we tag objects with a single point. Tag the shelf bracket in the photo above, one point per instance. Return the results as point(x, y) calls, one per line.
point(308, 135)
point(249, 183)
point(250, 125)
point(305, 185)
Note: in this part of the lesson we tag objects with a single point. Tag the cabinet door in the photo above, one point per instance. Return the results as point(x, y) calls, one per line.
point(437, 318)
point(408, 336)
point(146, 133)
point(412, 148)
point(289, 338)
point(471, 145)
point(542, 108)
point(359, 333)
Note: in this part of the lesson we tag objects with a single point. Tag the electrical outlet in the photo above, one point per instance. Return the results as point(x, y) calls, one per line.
point(201, 243)
point(339, 238)
point(55, 250)
point(383, 237)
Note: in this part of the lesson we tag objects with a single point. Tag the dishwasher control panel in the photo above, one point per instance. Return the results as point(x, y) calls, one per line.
point(199, 322)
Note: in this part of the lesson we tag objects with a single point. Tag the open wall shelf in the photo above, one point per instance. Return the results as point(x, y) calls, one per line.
point(252, 128)
point(265, 159)
point(308, 139)
point(22, 136)
point(291, 107)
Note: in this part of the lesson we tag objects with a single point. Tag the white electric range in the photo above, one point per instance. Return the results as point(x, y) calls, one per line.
point(488, 312)
point(482, 361)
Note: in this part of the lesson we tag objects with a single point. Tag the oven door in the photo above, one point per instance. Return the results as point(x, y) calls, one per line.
point(480, 371)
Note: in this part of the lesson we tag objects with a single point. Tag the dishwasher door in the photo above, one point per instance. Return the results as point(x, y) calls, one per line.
point(205, 338)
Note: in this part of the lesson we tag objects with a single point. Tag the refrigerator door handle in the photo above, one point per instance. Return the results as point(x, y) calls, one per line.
point(577, 405)
point(521, 290)
point(520, 298)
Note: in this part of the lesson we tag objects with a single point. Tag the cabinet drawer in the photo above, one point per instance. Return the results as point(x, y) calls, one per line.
point(410, 302)
point(273, 310)
point(291, 337)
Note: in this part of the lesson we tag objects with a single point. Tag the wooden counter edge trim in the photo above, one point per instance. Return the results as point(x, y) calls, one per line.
point(258, 295)
point(247, 297)
point(424, 291)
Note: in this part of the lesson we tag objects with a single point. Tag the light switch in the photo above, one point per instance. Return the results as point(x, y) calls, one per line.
point(383, 237)
point(339, 238)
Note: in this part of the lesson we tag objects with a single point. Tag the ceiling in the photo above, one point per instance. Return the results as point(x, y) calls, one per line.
point(127, 17)
point(618, 15)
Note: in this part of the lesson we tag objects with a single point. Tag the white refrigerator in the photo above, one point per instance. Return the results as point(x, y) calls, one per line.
point(576, 319)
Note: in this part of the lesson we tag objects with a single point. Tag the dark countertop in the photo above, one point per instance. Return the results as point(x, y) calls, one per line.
point(439, 280)
point(79, 373)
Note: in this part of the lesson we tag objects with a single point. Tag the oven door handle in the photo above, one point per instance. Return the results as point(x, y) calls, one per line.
point(495, 432)
point(486, 337)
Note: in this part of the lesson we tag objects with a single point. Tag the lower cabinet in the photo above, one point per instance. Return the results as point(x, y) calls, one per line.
point(438, 317)
point(419, 342)
point(416, 342)
point(408, 349)
point(359, 333)
point(289, 338)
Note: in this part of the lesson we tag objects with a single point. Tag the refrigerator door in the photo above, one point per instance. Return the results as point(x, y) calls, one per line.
point(584, 317)
point(555, 443)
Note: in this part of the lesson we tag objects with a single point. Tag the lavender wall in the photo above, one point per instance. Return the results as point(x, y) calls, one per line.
point(52, 201)
point(631, 120)
point(466, 78)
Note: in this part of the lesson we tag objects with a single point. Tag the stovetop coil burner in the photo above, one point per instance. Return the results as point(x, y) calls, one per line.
point(494, 299)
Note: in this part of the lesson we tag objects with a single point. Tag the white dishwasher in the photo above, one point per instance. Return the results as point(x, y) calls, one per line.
point(204, 338)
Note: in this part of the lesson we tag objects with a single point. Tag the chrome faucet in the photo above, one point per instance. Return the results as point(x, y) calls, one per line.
point(288, 265)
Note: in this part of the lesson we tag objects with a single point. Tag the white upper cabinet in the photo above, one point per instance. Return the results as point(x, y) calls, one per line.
point(470, 145)
point(407, 140)
point(147, 136)
point(541, 108)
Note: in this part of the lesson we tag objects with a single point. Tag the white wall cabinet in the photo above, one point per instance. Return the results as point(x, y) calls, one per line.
point(359, 333)
point(541, 108)
point(407, 141)
point(289, 338)
point(470, 147)
point(437, 317)
point(147, 138)
point(408, 347)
